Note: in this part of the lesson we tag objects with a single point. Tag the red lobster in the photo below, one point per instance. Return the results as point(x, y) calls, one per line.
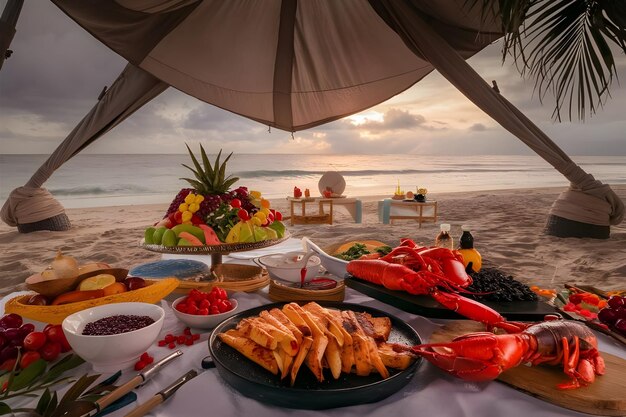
point(484, 356)
point(480, 356)
point(424, 271)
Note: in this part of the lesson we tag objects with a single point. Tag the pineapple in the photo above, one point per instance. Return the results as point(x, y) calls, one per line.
point(210, 180)
point(211, 203)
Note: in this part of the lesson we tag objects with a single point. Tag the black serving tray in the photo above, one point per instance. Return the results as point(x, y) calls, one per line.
point(255, 382)
point(426, 306)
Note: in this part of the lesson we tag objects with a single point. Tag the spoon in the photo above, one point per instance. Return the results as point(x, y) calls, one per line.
point(304, 261)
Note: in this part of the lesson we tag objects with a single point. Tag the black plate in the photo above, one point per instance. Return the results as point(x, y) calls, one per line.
point(255, 382)
point(426, 306)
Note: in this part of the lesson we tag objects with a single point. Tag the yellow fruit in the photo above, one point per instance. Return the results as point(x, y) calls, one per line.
point(187, 215)
point(199, 199)
point(96, 282)
point(473, 256)
point(265, 203)
point(255, 194)
point(193, 207)
point(233, 234)
point(190, 198)
point(183, 207)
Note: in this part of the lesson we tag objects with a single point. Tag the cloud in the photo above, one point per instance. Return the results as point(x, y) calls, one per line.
point(394, 119)
point(478, 127)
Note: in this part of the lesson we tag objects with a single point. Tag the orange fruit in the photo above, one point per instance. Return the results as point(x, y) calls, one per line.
point(115, 288)
point(97, 282)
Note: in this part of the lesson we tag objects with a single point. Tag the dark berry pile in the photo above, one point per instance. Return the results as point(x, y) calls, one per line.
point(212, 203)
point(116, 325)
point(499, 286)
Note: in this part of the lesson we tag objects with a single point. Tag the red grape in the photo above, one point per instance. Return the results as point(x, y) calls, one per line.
point(607, 316)
point(620, 325)
point(9, 352)
point(620, 312)
point(25, 329)
point(11, 321)
point(616, 301)
point(12, 334)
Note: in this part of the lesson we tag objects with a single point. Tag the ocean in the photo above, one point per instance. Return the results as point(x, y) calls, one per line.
point(109, 180)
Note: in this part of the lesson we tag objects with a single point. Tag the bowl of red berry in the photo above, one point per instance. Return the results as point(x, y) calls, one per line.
point(204, 310)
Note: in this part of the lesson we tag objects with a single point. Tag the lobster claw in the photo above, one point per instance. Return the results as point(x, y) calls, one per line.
point(476, 356)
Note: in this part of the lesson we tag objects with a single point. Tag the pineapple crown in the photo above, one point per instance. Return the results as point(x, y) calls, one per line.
point(210, 179)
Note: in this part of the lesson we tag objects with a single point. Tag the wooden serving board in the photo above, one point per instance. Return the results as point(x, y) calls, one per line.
point(606, 396)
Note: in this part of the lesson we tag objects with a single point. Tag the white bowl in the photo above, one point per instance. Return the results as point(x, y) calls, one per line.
point(110, 353)
point(287, 266)
point(203, 322)
point(334, 265)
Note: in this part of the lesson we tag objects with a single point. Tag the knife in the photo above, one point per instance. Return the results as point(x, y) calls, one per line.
point(161, 396)
point(136, 381)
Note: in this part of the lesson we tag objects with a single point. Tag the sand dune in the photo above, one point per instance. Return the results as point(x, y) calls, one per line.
point(507, 228)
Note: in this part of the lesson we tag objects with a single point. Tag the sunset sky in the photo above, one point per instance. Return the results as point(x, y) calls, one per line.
point(57, 71)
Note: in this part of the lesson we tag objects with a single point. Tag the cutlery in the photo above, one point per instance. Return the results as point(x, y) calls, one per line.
point(89, 409)
point(161, 396)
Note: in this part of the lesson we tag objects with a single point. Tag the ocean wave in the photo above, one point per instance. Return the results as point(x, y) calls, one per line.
point(375, 172)
point(118, 189)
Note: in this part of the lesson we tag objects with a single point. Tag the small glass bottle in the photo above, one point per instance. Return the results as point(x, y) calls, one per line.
point(467, 240)
point(443, 239)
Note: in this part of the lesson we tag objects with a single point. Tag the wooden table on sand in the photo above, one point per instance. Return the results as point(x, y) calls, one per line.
point(390, 210)
point(325, 209)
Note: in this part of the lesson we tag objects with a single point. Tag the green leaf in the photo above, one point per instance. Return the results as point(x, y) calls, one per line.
point(27, 376)
point(195, 184)
point(198, 175)
point(52, 405)
point(5, 409)
point(67, 363)
point(43, 402)
point(208, 169)
point(78, 388)
point(229, 182)
point(199, 171)
point(106, 384)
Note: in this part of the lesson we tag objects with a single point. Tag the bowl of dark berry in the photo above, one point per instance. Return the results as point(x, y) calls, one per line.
point(112, 336)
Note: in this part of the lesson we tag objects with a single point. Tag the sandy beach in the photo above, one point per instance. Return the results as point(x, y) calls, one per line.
point(507, 226)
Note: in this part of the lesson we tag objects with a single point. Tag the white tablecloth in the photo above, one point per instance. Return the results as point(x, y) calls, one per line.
point(429, 393)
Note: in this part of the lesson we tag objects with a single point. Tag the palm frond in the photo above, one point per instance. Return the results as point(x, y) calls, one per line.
point(564, 45)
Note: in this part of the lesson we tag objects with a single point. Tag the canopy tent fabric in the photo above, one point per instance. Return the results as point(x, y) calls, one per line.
point(298, 64)
point(288, 64)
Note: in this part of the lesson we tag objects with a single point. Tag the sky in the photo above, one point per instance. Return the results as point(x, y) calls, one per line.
point(57, 71)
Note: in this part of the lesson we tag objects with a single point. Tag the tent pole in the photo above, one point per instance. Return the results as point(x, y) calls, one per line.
point(8, 22)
